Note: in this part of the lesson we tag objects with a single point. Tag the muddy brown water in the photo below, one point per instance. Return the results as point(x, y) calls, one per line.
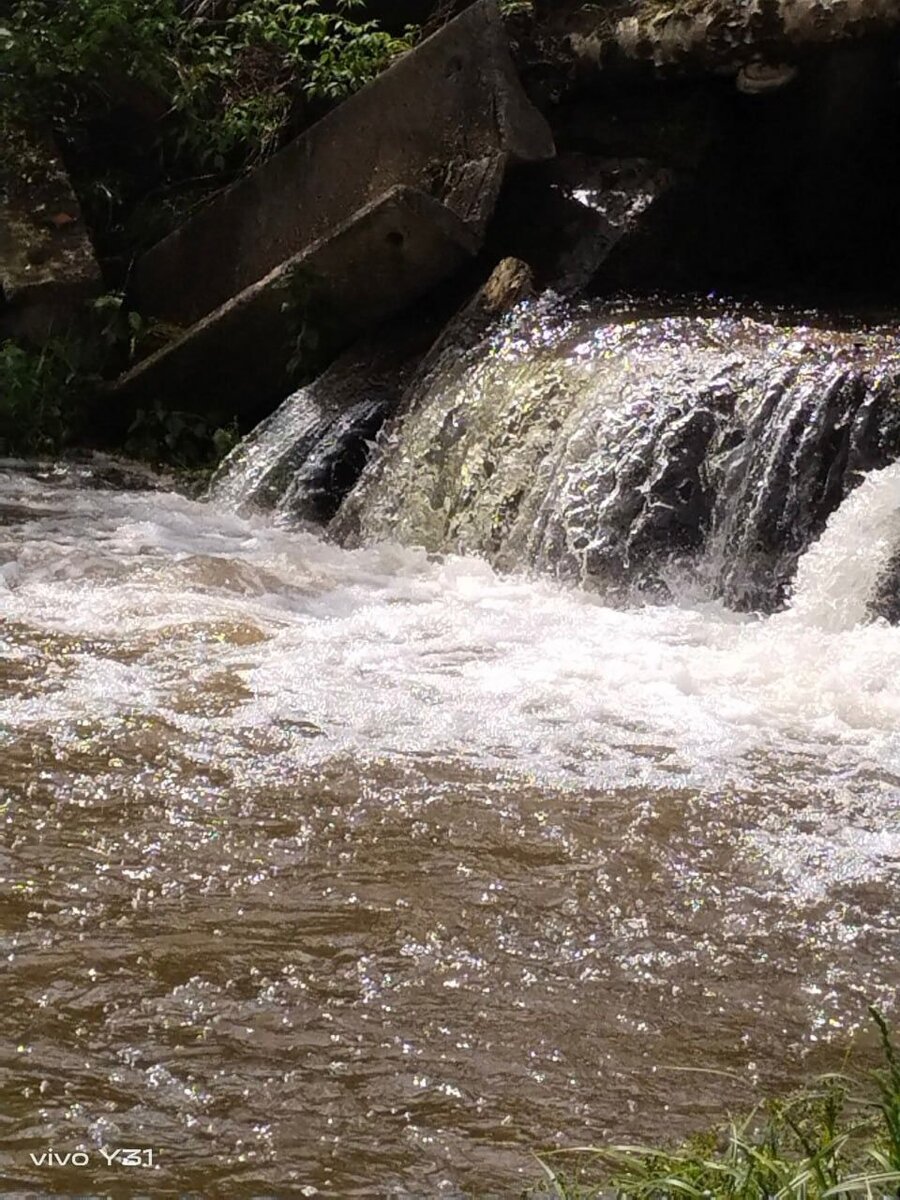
point(322, 876)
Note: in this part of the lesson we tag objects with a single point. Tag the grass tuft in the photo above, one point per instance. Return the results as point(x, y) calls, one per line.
point(837, 1139)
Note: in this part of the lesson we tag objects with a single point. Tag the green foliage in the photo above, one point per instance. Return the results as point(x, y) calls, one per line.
point(179, 439)
point(48, 393)
point(56, 55)
point(42, 393)
point(239, 80)
point(226, 83)
point(157, 103)
point(117, 330)
point(836, 1140)
point(887, 1083)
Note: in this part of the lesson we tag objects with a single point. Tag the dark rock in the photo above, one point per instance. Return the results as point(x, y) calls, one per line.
point(885, 603)
point(335, 463)
point(568, 216)
point(806, 426)
point(47, 263)
point(716, 34)
point(98, 471)
point(790, 193)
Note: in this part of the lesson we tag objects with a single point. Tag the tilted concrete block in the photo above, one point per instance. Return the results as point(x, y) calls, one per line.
point(235, 359)
point(445, 119)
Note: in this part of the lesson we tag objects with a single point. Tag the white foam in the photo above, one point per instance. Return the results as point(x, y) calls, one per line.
point(837, 576)
point(386, 651)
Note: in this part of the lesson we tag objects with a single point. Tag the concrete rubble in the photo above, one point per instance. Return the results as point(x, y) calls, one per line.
point(385, 197)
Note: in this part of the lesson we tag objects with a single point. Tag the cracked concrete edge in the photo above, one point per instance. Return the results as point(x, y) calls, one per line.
point(453, 101)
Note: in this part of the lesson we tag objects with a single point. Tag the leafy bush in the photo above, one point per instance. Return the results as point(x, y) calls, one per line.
point(227, 83)
point(41, 394)
point(49, 394)
point(157, 103)
point(187, 441)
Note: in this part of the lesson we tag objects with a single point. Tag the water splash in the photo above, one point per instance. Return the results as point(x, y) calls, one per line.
point(635, 455)
point(307, 455)
point(385, 650)
point(261, 467)
point(384, 819)
point(846, 572)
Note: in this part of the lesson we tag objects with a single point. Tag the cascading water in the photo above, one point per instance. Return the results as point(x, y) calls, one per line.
point(612, 451)
point(616, 452)
point(850, 573)
point(302, 460)
point(261, 468)
point(353, 871)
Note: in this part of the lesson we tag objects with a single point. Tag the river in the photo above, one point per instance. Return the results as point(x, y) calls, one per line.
point(331, 872)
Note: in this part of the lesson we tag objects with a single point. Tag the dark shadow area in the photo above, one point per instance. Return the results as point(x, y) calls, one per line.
point(791, 195)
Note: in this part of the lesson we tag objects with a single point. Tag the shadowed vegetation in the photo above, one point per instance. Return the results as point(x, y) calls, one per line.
point(158, 102)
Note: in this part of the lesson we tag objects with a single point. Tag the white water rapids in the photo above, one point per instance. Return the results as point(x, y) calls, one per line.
point(386, 650)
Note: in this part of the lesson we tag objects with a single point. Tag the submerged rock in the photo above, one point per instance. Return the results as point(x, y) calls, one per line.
point(885, 603)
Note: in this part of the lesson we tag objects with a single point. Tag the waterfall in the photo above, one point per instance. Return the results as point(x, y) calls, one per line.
point(303, 459)
point(333, 463)
point(300, 461)
point(633, 454)
point(261, 468)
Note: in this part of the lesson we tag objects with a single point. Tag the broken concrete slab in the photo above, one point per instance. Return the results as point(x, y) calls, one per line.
point(47, 263)
point(236, 359)
point(445, 119)
point(569, 216)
